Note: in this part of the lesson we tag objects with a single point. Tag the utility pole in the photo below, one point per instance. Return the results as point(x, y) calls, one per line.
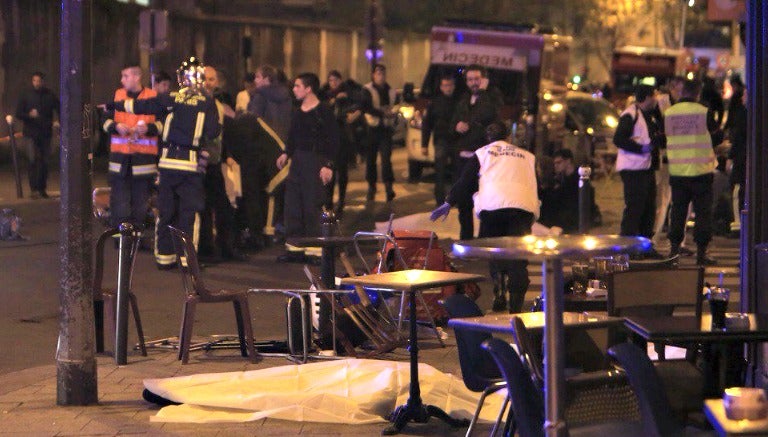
point(76, 382)
point(374, 23)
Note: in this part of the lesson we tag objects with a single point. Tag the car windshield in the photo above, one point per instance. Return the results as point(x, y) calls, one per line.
point(593, 112)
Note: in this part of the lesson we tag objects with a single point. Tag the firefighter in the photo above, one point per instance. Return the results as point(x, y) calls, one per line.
point(132, 153)
point(190, 126)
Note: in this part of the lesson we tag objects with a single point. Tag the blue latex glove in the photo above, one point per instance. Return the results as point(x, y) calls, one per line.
point(647, 148)
point(440, 211)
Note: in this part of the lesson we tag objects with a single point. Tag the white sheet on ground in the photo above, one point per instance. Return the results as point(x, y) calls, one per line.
point(448, 228)
point(352, 391)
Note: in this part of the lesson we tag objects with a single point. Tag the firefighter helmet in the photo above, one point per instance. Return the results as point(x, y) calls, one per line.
point(191, 73)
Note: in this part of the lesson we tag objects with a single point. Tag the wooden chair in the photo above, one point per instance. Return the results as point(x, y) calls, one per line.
point(105, 299)
point(195, 292)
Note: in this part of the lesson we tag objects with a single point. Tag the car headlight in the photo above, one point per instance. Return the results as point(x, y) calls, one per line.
point(611, 121)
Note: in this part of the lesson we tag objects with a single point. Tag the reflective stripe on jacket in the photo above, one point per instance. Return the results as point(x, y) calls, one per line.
point(140, 153)
point(689, 144)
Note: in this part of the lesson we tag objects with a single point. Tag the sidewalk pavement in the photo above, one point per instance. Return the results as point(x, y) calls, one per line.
point(28, 399)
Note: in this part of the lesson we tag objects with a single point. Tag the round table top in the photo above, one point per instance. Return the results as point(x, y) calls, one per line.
point(533, 247)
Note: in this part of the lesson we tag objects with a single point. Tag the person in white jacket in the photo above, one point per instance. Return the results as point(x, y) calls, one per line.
point(501, 178)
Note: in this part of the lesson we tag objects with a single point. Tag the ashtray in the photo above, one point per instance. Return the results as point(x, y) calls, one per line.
point(745, 403)
point(736, 321)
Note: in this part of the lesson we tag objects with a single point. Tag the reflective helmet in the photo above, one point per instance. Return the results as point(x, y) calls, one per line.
point(191, 73)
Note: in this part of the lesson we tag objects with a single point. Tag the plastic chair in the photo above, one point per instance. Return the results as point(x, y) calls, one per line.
point(655, 408)
point(105, 299)
point(595, 396)
point(196, 292)
point(528, 403)
point(478, 369)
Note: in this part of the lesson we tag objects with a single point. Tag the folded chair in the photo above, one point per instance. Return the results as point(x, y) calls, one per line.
point(478, 370)
point(105, 299)
point(195, 292)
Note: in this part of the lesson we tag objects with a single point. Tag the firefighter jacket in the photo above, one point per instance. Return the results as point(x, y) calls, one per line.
point(132, 154)
point(689, 143)
point(190, 126)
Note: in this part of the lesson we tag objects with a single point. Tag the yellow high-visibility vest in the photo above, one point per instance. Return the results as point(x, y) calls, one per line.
point(689, 144)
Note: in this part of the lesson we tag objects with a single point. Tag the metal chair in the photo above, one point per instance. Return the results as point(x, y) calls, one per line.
point(478, 370)
point(527, 400)
point(195, 292)
point(655, 408)
point(382, 267)
point(105, 299)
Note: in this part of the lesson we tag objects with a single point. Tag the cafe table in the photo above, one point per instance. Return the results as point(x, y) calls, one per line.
point(502, 323)
point(715, 412)
point(690, 329)
point(411, 281)
point(551, 251)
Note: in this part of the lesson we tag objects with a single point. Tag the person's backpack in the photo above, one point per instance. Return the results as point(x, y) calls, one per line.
point(10, 225)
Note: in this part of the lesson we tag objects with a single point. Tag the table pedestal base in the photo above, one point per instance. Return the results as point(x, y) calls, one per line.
point(417, 412)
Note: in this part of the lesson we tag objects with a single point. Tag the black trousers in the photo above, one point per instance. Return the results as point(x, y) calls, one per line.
point(697, 189)
point(442, 155)
point(218, 213)
point(509, 222)
point(465, 206)
point(304, 196)
point(128, 199)
point(379, 143)
point(255, 198)
point(40, 149)
point(639, 202)
point(180, 198)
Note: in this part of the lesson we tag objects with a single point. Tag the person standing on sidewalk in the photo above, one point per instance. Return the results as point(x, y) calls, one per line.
point(474, 113)
point(191, 125)
point(132, 153)
point(437, 123)
point(502, 179)
point(380, 121)
point(639, 136)
point(313, 141)
point(692, 132)
point(35, 108)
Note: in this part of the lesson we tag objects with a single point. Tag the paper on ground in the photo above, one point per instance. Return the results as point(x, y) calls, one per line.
point(352, 391)
point(448, 228)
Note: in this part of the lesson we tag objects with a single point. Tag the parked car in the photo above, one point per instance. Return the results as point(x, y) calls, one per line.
point(582, 122)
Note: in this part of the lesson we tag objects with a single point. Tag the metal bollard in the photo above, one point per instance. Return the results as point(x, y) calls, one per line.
point(125, 264)
point(585, 199)
point(14, 157)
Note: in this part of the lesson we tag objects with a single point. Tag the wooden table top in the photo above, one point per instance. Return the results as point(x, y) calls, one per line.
point(502, 323)
point(715, 411)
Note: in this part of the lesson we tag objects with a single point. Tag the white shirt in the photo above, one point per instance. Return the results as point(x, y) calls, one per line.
point(507, 179)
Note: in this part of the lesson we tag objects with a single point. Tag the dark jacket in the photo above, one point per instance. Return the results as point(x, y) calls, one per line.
point(273, 103)
point(479, 116)
point(46, 102)
point(438, 120)
point(314, 131)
